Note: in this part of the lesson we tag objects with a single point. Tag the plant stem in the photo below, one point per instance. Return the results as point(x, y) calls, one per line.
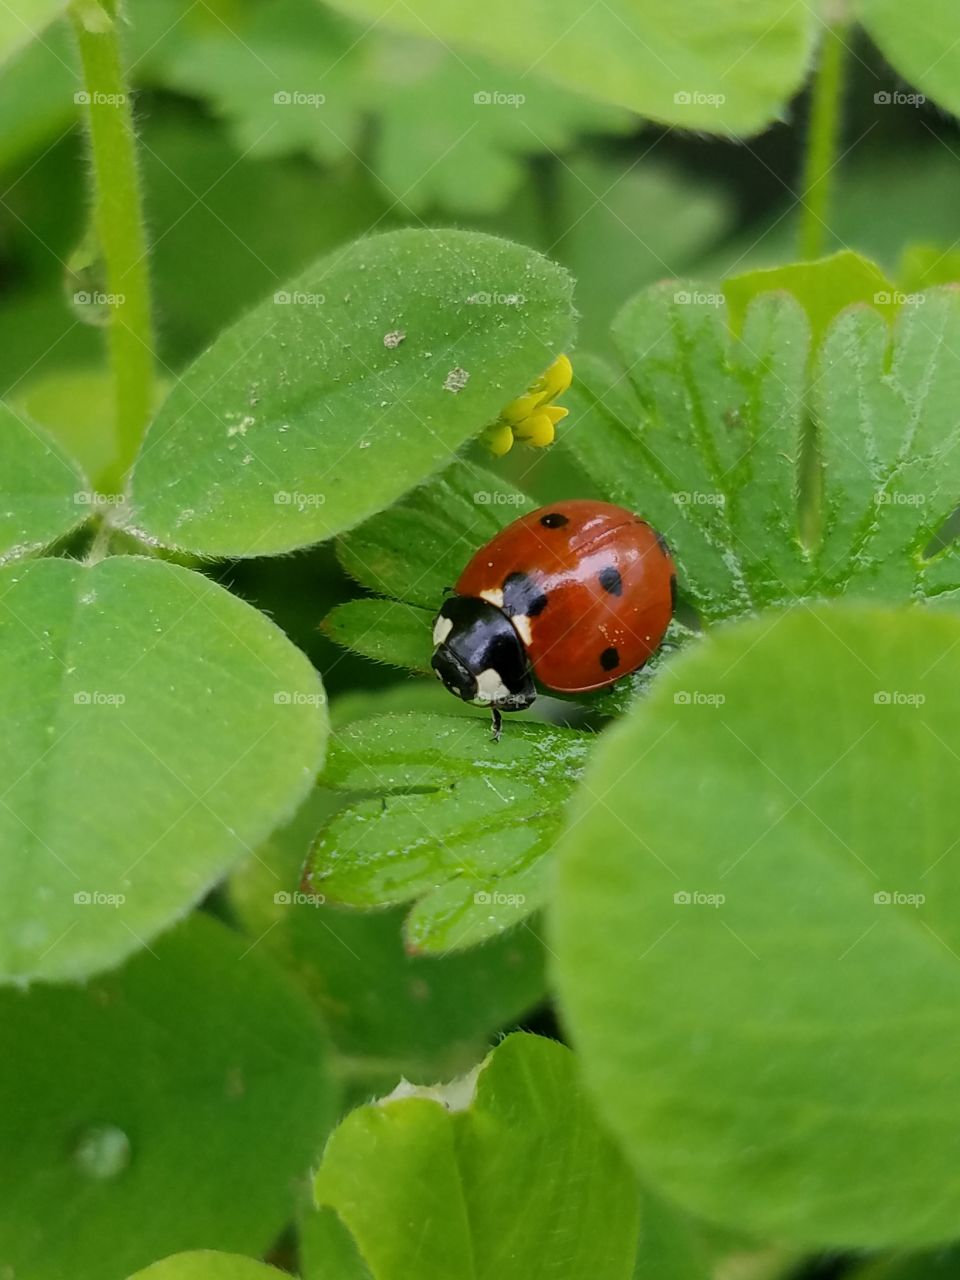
point(118, 219)
point(823, 137)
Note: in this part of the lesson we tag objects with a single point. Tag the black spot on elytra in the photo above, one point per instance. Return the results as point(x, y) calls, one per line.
point(609, 659)
point(554, 520)
point(673, 592)
point(522, 596)
point(610, 580)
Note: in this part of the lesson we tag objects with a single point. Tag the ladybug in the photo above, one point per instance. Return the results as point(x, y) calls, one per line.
point(576, 594)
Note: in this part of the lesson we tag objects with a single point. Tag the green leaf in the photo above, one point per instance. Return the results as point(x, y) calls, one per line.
point(204, 1264)
point(924, 265)
point(752, 978)
point(170, 1105)
point(43, 494)
point(327, 1249)
point(823, 288)
point(706, 438)
point(922, 42)
point(155, 727)
point(384, 631)
point(24, 22)
point(457, 823)
point(417, 549)
point(289, 76)
point(300, 421)
point(390, 1014)
point(703, 66)
point(473, 1164)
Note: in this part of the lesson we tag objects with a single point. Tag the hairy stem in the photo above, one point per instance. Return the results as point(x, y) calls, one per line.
point(823, 138)
point(118, 220)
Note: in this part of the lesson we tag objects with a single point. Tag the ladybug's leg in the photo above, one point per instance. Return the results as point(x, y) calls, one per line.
point(497, 724)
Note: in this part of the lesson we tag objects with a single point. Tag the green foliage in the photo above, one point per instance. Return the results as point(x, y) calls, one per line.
point(922, 42)
point(216, 942)
point(24, 23)
point(824, 288)
point(43, 494)
point(204, 1264)
point(149, 1104)
point(475, 1151)
point(434, 144)
point(144, 711)
point(252, 455)
point(460, 829)
point(773, 956)
point(707, 436)
point(390, 1014)
point(671, 65)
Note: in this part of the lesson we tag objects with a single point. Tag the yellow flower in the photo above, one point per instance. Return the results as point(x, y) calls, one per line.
point(531, 418)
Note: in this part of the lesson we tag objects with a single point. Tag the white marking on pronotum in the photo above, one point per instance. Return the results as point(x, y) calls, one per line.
point(490, 687)
point(441, 629)
point(522, 624)
point(493, 596)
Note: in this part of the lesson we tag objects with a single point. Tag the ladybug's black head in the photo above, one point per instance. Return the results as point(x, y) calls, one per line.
point(479, 655)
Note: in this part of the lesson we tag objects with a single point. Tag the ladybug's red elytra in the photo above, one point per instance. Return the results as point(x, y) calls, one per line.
point(575, 594)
